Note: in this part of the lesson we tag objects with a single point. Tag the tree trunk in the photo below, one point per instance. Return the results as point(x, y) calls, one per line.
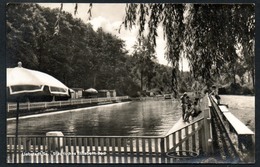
point(141, 81)
point(253, 77)
point(253, 72)
point(234, 75)
point(174, 82)
point(249, 76)
point(94, 80)
point(40, 50)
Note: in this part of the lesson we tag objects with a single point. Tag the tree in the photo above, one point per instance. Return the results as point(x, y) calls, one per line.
point(144, 57)
point(24, 25)
point(211, 32)
point(74, 55)
point(206, 34)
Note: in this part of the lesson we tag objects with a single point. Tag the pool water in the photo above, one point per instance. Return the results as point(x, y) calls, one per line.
point(138, 118)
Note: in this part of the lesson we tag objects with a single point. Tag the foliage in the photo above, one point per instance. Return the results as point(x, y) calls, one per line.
point(217, 39)
point(236, 89)
point(206, 34)
point(76, 54)
point(145, 63)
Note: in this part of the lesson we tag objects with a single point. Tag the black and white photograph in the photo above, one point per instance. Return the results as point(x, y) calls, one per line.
point(130, 83)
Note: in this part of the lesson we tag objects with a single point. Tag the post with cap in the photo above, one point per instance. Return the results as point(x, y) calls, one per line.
point(19, 64)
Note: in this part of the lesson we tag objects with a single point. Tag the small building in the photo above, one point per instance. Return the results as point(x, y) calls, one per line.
point(107, 93)
point(112, 93)
point(168, 96)
point(77, 93)
point(149, 93)
point(104, 93)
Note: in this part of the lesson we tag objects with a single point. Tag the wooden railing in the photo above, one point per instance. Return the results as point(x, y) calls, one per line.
point(186, 141)
point(240, 135)
point(194, 138)
point(189, 140)
point(88, 149)
point(44, 105)
point(105, 149)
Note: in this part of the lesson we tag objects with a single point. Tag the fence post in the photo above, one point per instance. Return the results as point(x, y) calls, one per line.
point(55, 140)
point(201, 139)
point(162, 149)
point(162, 145)
point(207, 127)
point(28, 106)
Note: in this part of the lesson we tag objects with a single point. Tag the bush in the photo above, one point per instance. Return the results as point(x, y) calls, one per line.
point(135, 94)
point(236, 89)
point(222, 91)
point(247, 91)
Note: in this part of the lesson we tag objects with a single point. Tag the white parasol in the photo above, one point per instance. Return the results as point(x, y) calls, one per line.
point(91, 90)
point(23, 82)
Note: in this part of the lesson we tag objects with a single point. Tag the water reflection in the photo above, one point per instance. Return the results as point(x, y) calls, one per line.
point(134, 118)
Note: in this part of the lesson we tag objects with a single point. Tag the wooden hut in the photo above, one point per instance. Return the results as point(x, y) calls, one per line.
point(77, 94)
point(112, 93)
point(104, 93)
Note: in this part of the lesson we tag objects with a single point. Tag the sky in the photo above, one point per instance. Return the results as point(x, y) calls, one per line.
point(110, 17)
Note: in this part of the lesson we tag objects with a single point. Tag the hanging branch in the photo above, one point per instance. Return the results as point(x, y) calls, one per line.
point(76, 9)
point(57, 23)
point(89, 11)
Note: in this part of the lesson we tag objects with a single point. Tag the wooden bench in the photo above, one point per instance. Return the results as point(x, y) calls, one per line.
point(223, 108)
point(239, 127)
point(243, 133)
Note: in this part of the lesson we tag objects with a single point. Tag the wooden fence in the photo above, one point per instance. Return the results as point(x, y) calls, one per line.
point(81, 149)
point(187, 141)
point(44, 105)
point(107, 149)
point(241, 137)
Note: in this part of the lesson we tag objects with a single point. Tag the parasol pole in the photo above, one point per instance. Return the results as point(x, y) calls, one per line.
point(16, 131)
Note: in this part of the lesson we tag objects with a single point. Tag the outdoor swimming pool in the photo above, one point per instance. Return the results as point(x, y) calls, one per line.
point(139, 118)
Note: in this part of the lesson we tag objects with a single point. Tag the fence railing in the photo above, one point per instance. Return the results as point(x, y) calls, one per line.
point(70, 149)
point(43, 105)
point(241, 137)
point(105, 149)
point(186, 141)
point(189, 140)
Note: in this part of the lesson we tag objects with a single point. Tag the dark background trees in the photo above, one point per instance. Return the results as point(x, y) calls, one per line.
point(216, 39)
point(208, 35)
point(76, 54)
